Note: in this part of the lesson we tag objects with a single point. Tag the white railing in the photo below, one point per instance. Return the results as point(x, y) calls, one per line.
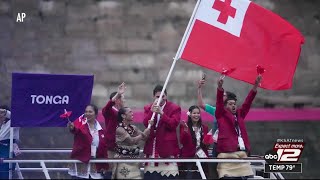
point(67, 150)
point(140, 160)
point(46, 170)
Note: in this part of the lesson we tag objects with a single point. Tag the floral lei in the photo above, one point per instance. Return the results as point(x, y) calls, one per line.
point(130, 130)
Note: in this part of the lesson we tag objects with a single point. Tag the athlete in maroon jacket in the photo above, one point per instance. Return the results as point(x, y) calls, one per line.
point(162, 141)
point(233, 141)
point(110, 114)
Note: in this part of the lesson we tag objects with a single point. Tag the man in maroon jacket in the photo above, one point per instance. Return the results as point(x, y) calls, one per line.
point(162, 141)
point(110, 114)
point(233, 141)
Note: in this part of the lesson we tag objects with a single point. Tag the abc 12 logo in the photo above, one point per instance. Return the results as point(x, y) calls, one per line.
point(284, 153)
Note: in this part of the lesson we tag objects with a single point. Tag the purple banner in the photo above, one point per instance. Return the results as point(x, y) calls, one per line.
point(38, 100)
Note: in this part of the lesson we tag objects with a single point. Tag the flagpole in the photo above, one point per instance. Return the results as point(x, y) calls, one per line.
point(187, 31)
point(177, 56)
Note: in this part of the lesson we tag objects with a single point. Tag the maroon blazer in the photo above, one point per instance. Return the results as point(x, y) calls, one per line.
point(166, 136)
point(110, 116)
point(228, 138)
point(189, 147)
point(82, 145)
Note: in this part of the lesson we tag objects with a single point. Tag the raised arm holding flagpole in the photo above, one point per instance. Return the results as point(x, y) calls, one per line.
point(162, 142)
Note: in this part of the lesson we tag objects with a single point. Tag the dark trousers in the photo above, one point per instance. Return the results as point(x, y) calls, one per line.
point(213, 166)
point(189, 170)
point(156, 176)
point(107, 175)
point(4, 153)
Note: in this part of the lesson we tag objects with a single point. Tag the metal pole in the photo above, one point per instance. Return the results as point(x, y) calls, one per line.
point(19, 171)
point(44, 169)
point(140, 160)
point(187, 31)
point(10, 151)
point(46, 151)
point(177, 56)
point(165, 85)
point(48, 169)
point(203, 176)
point(280, 175)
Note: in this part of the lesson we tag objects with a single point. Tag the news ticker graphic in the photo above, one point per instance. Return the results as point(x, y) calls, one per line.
point(283, 168)
point(284, 156)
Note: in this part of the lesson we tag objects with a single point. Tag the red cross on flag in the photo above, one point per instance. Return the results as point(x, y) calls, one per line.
point(239, 35)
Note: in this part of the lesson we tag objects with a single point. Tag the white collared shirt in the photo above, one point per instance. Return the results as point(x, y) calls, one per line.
point(95, 133)
point(197, 132)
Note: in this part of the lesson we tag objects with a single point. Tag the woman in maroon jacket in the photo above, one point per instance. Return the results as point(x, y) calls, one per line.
point(88, 143)
point(191, 136)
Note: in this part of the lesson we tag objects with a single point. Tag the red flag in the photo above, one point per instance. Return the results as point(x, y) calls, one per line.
point(81, 120)
point(207, 139)
point(66, 114)
point(240, 35)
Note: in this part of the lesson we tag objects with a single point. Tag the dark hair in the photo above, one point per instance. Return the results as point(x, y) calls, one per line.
point(189, 123)
point(158, 88)
point(5, 107)
point(94, 107)
point(230, 96)
point(112, 94)
point(121, 111)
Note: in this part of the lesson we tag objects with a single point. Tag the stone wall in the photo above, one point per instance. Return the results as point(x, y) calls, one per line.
point(134, 41)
